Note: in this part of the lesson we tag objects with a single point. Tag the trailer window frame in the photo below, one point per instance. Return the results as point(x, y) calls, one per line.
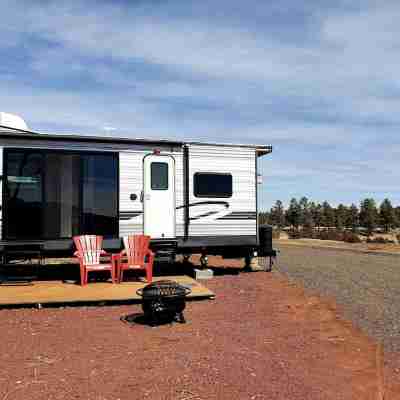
point(201, 193)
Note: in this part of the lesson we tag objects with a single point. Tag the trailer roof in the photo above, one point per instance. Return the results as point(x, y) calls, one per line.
point(19, 133)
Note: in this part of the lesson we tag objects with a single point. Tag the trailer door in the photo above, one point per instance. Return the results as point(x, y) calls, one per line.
point(159, 196)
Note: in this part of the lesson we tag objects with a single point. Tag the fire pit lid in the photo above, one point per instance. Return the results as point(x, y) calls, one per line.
point(164, 288)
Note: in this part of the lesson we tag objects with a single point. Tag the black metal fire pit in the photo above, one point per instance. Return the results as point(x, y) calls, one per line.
point(163, 302)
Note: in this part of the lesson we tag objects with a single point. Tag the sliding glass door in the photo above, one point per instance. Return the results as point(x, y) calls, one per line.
point(53, 194)
point(99, 194)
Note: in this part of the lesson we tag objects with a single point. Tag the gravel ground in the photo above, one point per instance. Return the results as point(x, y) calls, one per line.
point(262, 338)
point(367, 286)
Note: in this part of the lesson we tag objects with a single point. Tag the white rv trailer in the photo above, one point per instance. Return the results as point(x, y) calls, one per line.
point(188, 196)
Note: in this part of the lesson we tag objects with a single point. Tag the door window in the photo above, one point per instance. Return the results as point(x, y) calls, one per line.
point(159, 176)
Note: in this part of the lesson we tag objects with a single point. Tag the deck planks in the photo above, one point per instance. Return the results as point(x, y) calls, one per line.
point(58, 292)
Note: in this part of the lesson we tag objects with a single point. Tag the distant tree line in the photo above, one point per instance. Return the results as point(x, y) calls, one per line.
point(303, 214)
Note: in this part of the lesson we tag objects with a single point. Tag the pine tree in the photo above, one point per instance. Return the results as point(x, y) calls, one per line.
point(397, 216)
point(293, 214)
point(340, 216)
point(277, 215)
point(352, 220)
point(368, 215)
point(312, 210)
point(306, 219)
point(386, 215)
point(308, 215)
point(263, 218)
point(316, 212)
point(328, 215)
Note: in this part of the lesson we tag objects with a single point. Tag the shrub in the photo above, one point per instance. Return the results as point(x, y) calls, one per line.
point(380, 240)
point(326, 234)
point(293, 234)
point(330, 234)
point(351, 237)
point(307, 233)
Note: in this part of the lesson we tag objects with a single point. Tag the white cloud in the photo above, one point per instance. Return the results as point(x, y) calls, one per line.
point(334, 82)
point(109, 128)
point(341, 70)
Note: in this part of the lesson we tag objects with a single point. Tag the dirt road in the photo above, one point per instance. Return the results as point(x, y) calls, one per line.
point(366, 287)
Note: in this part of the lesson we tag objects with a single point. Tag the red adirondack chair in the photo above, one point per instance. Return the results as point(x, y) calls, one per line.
point(88, 251)
point(136, 255)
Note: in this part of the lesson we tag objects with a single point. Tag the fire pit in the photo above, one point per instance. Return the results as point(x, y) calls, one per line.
point(163, 302)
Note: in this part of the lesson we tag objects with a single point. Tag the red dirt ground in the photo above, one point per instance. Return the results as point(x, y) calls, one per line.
point(262, 338)
point(392, 376)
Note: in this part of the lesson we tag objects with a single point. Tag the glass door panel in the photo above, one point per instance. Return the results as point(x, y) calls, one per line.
point(99, 195)
point(61, 175)
point(24, 194)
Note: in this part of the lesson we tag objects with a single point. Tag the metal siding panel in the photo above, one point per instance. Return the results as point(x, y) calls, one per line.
point(1, 191)
point(240, 162)
point(131, 181)
point(179, 194)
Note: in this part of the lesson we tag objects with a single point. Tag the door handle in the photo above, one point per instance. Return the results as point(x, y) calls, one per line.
point(141, 196)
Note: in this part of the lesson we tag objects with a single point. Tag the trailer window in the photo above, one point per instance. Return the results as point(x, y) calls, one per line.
point(212, 184)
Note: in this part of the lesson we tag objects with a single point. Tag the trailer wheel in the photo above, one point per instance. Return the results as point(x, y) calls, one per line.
point(204, 261)
point(267, 263)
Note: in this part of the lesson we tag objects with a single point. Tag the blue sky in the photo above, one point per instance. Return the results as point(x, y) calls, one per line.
point(318, 80)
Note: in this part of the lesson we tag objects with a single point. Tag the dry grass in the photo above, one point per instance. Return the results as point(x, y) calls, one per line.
point(361, 247)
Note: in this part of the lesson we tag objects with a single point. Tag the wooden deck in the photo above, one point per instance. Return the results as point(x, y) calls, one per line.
point(58, 292)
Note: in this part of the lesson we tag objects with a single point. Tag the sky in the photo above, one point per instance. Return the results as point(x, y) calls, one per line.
point(317, 80)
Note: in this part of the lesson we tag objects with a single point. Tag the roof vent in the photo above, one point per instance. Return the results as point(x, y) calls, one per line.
point(12, 121)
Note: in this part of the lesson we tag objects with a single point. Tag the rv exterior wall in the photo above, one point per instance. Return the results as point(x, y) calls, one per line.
point(228, 216)
point(131, 183)
point(232, 216)
point(131, 179)
point(209, 217)
point(1, 193)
